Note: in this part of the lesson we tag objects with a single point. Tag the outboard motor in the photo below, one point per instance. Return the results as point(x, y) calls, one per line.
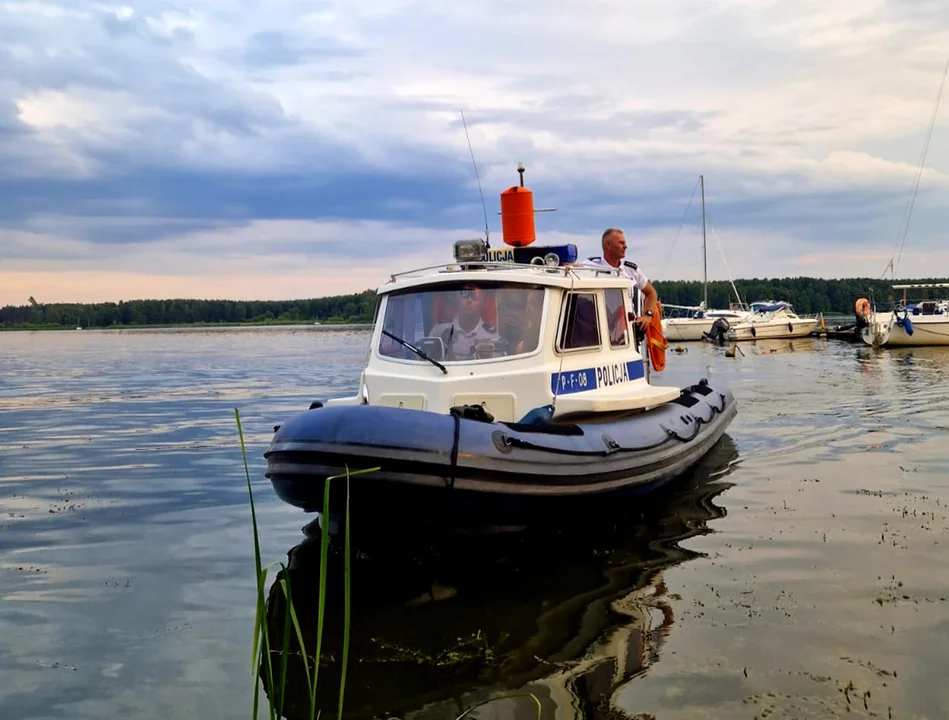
point(718, 333)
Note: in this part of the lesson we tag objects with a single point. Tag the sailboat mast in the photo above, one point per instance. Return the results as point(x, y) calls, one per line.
point(704, 248)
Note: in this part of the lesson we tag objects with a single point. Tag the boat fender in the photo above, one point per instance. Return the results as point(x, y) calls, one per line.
point(790, 327)
point(538, 416)
point(754, 332)
point(905, 322)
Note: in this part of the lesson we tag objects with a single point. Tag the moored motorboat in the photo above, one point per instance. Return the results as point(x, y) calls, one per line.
point(774, 320)
point(685, 324)
point(509, 380)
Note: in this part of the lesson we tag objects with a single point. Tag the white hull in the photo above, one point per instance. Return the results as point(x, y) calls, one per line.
point(686, 329)
point(773, 330)
point(692, 329)
point(883, 330)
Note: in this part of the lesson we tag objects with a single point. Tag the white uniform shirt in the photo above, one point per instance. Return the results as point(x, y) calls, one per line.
point(463, 342)
point(628, 270)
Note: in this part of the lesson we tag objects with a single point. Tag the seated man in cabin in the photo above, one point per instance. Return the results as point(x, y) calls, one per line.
point(530, 322)
point(614, 252)
point(462, 334)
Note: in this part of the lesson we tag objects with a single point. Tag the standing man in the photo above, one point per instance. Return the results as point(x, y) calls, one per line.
point(614, 252)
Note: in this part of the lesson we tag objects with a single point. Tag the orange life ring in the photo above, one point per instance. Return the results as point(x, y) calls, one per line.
point(655, 340)
point(862, 307)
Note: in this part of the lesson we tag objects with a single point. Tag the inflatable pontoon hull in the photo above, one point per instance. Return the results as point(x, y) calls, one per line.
point(430, 462)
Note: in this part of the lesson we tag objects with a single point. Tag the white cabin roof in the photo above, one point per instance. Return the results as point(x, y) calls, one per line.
point(576, 277)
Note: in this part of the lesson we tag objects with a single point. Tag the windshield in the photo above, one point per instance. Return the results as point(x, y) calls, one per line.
point(463, 321)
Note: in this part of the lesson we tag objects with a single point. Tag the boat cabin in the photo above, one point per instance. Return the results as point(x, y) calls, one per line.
point(685, 312)
point(523, 331)
point(509, 336)
point(928, 306)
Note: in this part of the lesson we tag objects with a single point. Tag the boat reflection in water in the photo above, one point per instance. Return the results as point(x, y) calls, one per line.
point(443, 622)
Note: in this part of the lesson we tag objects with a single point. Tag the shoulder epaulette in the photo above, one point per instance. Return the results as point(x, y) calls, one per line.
point(627, 263)
point(595, 258)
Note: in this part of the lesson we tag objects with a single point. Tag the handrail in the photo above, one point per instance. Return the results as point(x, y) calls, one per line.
point(506, 265)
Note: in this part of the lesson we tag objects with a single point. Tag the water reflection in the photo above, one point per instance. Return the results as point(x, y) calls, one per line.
point(443, 622)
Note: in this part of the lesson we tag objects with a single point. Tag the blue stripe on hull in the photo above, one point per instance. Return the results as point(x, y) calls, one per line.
point(597, 377)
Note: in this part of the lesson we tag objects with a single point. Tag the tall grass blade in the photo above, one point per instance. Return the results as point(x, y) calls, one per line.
point(324, 547)
point(346, 606)
point(299, 633)
point(261, 576)
point(285, 650)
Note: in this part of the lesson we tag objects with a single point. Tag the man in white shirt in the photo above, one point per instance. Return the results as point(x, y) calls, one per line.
point(462, 335)
point(614, 252)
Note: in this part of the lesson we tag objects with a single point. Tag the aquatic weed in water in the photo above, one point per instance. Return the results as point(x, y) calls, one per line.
point(262, 652)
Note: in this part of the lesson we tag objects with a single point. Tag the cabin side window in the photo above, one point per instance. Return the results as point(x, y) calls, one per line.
point(616, 319)
point(580, 329)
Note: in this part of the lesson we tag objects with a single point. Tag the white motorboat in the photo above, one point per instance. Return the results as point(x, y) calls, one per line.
point(772, 320)
point(508, 381)
point(685, 324)
point(920, 322)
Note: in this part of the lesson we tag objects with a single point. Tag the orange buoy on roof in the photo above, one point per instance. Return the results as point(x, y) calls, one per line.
point(517, 214)
point(862, 307)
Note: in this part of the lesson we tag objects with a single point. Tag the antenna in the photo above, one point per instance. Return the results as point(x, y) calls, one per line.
point(919, 173)
point(484, 208)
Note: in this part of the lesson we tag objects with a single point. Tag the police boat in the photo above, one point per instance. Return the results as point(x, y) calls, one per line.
point(510, 381)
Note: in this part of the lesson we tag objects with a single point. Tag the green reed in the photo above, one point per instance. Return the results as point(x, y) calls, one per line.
point(262, 654)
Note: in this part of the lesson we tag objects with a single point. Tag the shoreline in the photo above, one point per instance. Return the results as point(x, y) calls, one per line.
point(173, 326)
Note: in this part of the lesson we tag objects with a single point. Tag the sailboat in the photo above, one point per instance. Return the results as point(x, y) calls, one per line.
point(694, 323)
point(910, 322)
point(920, 322)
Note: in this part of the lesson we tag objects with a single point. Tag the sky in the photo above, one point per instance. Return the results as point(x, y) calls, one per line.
point(280, 149)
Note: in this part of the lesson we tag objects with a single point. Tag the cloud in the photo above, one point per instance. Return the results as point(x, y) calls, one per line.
point(165, 126)
point(273, 48)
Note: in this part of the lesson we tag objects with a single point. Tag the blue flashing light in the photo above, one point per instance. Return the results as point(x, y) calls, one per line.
point(523, 255)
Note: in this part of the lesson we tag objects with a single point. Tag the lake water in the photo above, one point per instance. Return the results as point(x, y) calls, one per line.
point(800, 572)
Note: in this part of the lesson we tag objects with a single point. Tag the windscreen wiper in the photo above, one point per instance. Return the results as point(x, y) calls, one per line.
point(421, 353)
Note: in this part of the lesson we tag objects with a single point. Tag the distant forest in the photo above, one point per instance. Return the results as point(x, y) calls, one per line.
point(807, 295)
point(357, 308)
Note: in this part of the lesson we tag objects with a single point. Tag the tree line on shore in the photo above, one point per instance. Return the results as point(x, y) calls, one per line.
point(355, 308)
point(807, 295)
